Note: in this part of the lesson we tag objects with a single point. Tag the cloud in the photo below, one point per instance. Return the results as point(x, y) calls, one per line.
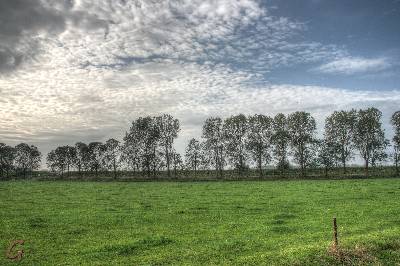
point(354, 65)
point(24, 25)
point(97, 104)
point(241, 34)
point(83, 70)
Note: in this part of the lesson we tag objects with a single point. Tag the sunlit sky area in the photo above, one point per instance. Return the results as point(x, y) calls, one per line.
point(83, 70)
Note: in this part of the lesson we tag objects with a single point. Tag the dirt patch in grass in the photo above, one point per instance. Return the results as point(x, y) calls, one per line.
point(359, 255)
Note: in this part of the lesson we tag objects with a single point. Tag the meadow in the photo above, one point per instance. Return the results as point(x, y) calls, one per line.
point(202, 223)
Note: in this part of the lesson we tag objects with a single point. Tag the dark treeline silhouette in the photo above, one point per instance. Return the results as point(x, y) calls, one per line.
point(20, 160)
point(236, 145)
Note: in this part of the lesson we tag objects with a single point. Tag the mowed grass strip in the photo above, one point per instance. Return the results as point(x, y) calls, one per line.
point(203, 223)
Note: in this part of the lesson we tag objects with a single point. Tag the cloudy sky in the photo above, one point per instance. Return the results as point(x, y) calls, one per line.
point(80, 70)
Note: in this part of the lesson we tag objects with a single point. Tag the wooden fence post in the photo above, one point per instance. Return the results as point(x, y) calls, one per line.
point(335, 234)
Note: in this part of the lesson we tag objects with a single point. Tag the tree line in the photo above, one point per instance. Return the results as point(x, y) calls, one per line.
point(19, 160)
point(238, 142)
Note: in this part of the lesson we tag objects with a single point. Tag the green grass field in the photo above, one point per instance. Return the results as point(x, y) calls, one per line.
point(201, 223)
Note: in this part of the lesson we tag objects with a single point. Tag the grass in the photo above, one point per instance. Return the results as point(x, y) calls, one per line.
point(202, 223)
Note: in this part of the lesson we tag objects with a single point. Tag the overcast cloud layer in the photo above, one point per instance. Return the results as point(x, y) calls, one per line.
point(83, 70)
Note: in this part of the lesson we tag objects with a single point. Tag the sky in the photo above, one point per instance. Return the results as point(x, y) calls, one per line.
point(80, 70)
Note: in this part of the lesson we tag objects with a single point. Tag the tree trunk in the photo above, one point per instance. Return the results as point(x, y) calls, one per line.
point(260, 165)
point(195, 165)
point(217, 163)
point(175, 171)
point(326, 172)
point(366, 168)
point(343, 160)
point(344, 167)
point(221, 164)
point(167, 157)
point(302, 160)
point(115, 170)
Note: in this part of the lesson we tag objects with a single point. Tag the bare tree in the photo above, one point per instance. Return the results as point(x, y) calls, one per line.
point(339, 131)
point(301, 128)
point(260, 132)
point(369, 137)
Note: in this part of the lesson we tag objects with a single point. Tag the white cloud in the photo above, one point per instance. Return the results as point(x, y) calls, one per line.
point(97, 104)
point(190, 58)
point(354, 65)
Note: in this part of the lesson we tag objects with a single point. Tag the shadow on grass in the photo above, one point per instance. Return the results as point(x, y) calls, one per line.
point(131, 248)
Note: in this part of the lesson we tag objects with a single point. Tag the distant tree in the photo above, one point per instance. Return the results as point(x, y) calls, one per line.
point(2, 159)
point(369, 137)
point(7, 156)
point(339, 131)
point(395, 120)
point(52, 161)
point(168, 128)
point(324, 150)
point(141, 145)
point(206, 161)
point(82, 156)
point(260, 132)
point(133, 146)
point(56, 160)
point(112, 155)
point(193, 155)
point(177, 162)
point(153, 155)
point(96, 153)
point(235, 133)
point(70, 157)
point(61, 159)
point(214, 143)
point(35, 158)
point(301, 128)
point(27, 158)
point(281, 140)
